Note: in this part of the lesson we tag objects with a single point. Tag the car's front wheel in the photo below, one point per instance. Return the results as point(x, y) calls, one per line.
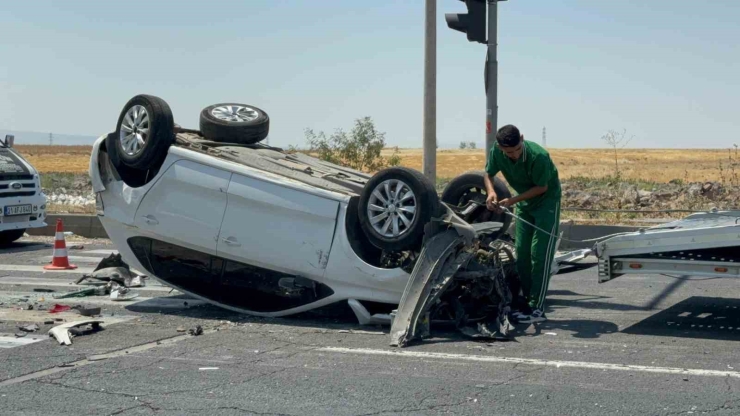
point(395, 206)
point(144, 133)
point(470, 186)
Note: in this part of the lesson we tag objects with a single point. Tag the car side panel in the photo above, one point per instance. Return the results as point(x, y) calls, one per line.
point(186, 205)
point(277, 227)
point(353, 278)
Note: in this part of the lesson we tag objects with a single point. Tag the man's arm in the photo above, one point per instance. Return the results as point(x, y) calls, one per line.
point(531, 193)
point(491, 197)
point(488, 180)
point(540, 175)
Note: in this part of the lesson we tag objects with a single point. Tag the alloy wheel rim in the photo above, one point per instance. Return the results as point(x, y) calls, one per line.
point(392, 208)
point(235, 113)
point(134, 130)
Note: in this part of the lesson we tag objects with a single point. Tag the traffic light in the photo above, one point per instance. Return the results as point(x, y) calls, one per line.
point(473, 23)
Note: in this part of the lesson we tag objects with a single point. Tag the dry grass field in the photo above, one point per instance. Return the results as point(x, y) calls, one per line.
point(655, 165)
point(66, 159)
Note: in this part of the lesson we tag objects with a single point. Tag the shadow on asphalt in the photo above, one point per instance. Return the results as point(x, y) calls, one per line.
point(334, 316)
point(22, 247)
point(580, 328)
point(587, 302)
point(695, 317)
point(575, 267)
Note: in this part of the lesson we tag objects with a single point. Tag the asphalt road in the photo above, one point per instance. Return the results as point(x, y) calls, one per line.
point(653, 345)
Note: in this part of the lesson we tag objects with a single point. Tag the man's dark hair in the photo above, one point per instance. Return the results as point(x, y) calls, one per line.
point(508, 136)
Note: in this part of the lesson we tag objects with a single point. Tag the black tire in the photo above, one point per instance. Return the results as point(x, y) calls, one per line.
point(8, 237)
point(130, 176)
point(471, 185)
point(161, 134)
point(232, 131)
point(427, 205)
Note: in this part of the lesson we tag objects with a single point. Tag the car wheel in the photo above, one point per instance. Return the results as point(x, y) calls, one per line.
point(471, 186)
point(234, 123)
point(395, 206)
point(143, 135)
point(7, 237)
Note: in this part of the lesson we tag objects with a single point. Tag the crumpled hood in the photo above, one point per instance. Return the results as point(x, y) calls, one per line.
point(12, 162)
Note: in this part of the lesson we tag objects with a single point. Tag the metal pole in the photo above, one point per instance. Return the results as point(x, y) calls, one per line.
point(429, 162)
point(492, 91)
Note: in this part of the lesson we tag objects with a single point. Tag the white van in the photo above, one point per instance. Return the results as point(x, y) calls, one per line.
point(22, 202)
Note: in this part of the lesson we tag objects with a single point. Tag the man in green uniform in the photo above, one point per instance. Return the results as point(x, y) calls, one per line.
point(528, 168)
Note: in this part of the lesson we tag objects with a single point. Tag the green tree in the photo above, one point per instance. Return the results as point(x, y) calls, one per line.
point(360, 149)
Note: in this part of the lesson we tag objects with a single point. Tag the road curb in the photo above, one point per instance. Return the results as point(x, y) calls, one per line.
point(83, 225)
point(89, 226)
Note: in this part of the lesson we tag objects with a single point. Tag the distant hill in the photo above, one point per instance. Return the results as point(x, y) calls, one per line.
point(33, 137)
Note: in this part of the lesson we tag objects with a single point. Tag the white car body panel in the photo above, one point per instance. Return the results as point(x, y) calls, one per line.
point(277, 227)
point(357, 278)
point(186, 205)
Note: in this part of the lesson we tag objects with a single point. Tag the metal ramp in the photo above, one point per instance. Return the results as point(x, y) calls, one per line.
point(705, 244)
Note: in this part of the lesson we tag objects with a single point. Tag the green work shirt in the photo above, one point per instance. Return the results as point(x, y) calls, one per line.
point(533, 168)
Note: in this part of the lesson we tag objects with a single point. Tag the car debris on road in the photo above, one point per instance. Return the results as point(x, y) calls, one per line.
point(64, 333)
point(29, 328)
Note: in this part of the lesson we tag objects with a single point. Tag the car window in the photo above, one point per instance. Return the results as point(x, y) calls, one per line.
point(189, 269)
point(262, 290)
point(231, 283)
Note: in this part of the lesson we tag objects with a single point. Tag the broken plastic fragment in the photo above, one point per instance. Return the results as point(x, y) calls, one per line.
point(92, 291)
point(62, 332)
point(29, 328)
point(122, 294)
point(59, 308)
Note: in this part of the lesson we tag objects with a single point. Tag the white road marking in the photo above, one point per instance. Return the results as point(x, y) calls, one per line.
point(75, 259)
point(536, 362)
point(36, 282)
point(164, 303)
point(106, 252)
point(40, 269)
point(10, 341)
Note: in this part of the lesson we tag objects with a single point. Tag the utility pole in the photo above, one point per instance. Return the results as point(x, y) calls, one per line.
point(429, 162)
point(544, 137)
point(492, 75)
point(50, 139)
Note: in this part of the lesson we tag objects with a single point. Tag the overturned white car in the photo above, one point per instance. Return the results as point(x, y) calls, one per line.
point(218, 215)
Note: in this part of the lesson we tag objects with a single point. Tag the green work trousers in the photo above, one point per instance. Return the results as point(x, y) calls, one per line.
point(535, 250)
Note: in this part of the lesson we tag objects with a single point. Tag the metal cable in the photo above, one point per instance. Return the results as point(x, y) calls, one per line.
point(511, 214)
point(518, 218)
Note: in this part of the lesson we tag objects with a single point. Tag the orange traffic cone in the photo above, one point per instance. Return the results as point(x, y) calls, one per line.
point(59, 259)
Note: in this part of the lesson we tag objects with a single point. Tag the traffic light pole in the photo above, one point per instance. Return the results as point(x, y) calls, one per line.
point(429, 161)
point(492, 75)
point(473, 24)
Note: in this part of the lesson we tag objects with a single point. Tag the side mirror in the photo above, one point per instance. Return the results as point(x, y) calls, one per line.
point(9, 139)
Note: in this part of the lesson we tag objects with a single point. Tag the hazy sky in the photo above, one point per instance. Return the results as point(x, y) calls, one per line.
point(667, 71)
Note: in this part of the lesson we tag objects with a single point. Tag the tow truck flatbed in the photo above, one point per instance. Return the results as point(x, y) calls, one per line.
point(702, 244)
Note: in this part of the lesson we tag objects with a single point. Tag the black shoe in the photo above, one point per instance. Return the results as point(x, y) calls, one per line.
point(536, 316)
point(518, 313)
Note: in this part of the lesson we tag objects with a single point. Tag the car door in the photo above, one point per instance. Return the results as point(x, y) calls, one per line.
point(186, 206)
point(277, 227)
